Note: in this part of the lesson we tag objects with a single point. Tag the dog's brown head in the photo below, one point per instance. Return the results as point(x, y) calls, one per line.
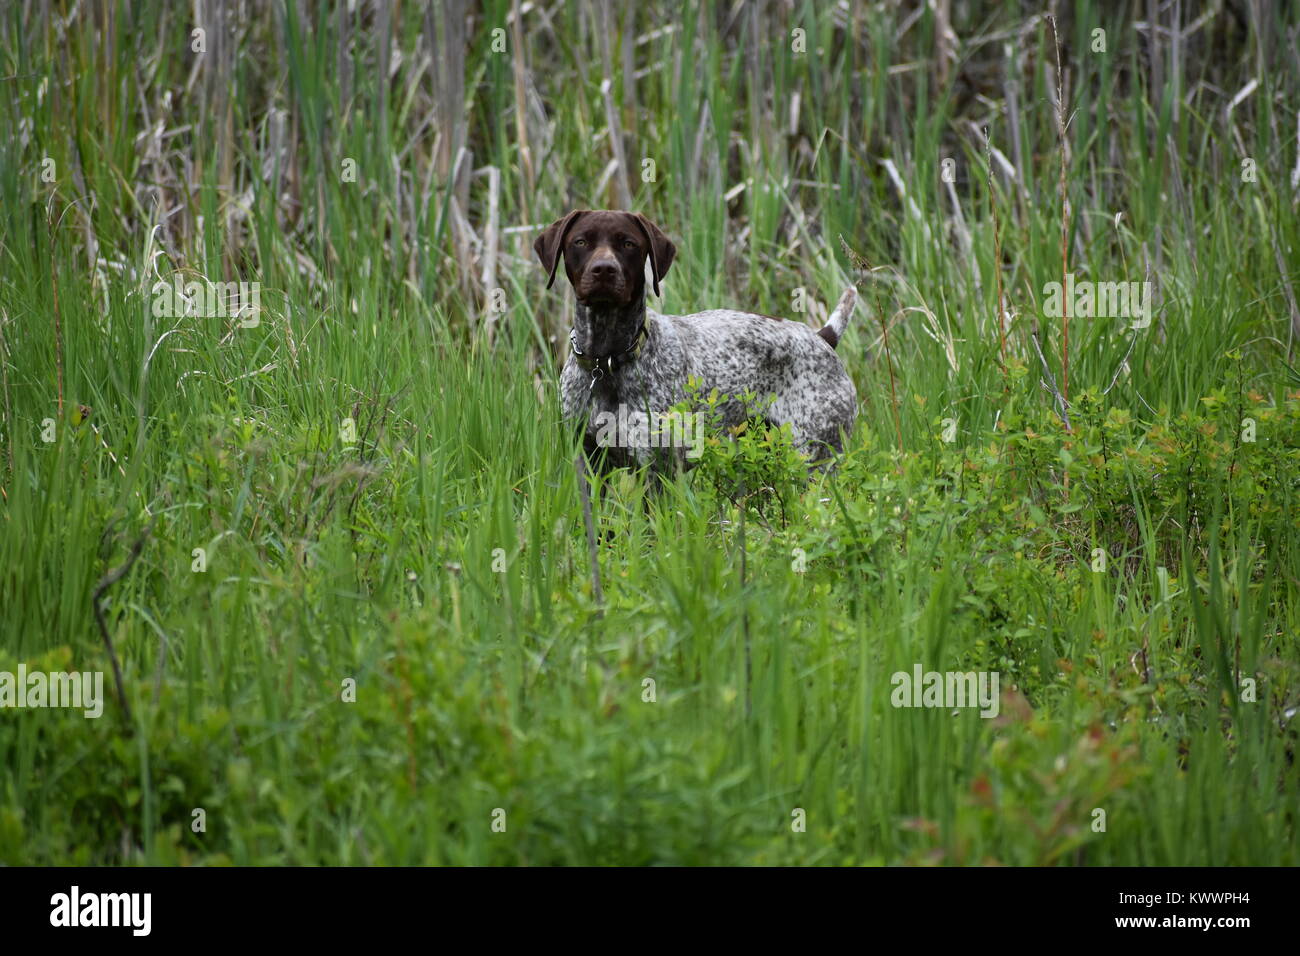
point(604, 253)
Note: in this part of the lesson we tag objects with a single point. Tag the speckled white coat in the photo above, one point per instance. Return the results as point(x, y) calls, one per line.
point(733, 352)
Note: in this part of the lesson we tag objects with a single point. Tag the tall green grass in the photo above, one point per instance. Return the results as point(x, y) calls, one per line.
point(378, 560)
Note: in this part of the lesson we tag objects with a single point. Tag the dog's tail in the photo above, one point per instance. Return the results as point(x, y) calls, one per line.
point(839, 320)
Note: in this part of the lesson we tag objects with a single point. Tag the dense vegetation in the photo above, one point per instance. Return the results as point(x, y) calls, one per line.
point(371, 484)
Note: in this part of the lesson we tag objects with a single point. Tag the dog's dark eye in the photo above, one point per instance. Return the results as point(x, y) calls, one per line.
point(579, 242)
point(629, 244)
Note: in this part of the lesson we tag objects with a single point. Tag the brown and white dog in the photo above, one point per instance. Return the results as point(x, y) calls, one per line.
point(628, 364)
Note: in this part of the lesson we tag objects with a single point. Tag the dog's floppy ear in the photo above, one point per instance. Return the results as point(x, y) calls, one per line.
point(662, 249)
point(549, 246)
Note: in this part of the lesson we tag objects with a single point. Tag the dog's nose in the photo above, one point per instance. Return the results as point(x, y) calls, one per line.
point(604, 269)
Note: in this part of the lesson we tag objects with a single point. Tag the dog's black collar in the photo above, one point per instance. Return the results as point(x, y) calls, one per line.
point(608, 361)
